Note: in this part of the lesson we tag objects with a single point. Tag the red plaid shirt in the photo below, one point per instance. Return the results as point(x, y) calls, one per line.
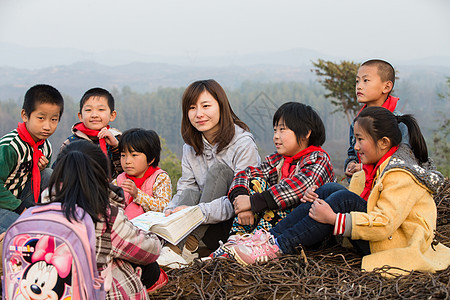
point(312, 169)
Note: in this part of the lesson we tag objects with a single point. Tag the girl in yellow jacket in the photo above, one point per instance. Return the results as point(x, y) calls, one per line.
point(389, 215)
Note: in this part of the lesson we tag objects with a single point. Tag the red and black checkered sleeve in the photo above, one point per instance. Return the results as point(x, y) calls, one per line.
point(314, 169)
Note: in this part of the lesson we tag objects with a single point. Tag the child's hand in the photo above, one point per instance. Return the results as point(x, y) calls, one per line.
point(352, 168)
point(42, 162)
point(310, 194)
point(241, 204)
point(168, 212)
point(322, 212)
point(129, 186)
point(246, 218)
point(109, 137)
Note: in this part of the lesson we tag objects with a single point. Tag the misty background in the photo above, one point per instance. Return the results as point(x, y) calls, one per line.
point(147, 52)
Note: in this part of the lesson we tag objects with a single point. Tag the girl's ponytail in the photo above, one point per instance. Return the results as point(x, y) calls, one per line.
point(416, 140)
point(379, 122)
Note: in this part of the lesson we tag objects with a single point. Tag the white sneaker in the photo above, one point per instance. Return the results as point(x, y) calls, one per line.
point(188, 255)
point(168, 258)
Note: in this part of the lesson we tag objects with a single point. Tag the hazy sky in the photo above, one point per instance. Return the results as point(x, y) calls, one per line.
point(391, 29)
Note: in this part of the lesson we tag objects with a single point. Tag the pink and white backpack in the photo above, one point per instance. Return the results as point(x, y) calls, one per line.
point(47, 257)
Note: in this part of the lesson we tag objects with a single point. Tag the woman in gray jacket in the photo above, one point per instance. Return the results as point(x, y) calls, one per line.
point(218, 145)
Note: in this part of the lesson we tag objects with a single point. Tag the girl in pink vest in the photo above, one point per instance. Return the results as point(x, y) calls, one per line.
point(146, 187)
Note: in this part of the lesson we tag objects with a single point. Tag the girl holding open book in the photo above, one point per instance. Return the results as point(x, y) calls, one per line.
point(217, 146)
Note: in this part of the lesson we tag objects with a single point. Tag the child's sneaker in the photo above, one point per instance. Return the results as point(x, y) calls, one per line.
point(220, 252)
point(171, 259)
point(261, 248)
point(162, 281)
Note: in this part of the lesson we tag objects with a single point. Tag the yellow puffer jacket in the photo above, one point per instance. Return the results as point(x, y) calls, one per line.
point(401, 216)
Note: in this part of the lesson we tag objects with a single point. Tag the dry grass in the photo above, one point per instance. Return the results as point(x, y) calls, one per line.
point(333, 273)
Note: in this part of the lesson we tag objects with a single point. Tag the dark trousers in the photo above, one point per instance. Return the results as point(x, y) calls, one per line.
point(300, 229)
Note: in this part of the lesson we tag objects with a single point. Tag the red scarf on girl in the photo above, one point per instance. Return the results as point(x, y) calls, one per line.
point(371, 170)
point(93, 132)
point(287, 169)
point(140, 181)
point(35, 173)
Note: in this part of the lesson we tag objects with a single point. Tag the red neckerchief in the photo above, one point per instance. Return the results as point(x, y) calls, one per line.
point(287, 169)
point(93, 132)
point(390, 104)
point(371, 170)
point(140, 181)
point(35, 173)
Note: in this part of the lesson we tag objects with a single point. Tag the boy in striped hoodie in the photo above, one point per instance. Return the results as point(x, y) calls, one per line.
point(25, 153)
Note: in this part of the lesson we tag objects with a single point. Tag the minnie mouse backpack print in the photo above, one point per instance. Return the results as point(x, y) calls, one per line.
point(47, 257)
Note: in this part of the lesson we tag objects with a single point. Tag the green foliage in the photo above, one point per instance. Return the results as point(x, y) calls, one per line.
point(339, 81)
point(171, 164)
point(441, 137)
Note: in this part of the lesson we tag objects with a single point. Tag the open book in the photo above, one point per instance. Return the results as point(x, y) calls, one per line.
point(172, 228)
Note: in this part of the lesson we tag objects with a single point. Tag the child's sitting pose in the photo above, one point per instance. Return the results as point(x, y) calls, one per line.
point(390, 218)
point(126, 256)
point(96, 112)
point(298, 164)
point(25, 153)
point(146, 187)
point(374, 83)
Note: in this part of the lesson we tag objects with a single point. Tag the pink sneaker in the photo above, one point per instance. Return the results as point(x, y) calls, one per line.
point(260, 248)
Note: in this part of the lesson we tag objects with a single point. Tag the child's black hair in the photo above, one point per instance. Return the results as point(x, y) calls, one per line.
point(379, 122)
point(81, 177)
point(144, 141)
point(301, 118)
point(385, 70)
point(42, 93)
point(97, 92)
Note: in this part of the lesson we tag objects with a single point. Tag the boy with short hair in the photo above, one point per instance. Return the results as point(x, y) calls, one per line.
point(25, 153)
point(374, 83)
point(96, 112)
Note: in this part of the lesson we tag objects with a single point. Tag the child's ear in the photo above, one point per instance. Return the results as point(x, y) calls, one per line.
point(384, 143)
point(308, 134)
point(150, 163)
point(80, 117)
point(388, 85)
point(24, 116)
point(113, 116)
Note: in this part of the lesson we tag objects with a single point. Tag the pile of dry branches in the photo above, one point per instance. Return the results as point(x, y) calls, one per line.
point(333, 273)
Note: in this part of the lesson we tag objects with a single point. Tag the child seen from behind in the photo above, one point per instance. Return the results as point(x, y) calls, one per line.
point(146, 187)
point(126, 256)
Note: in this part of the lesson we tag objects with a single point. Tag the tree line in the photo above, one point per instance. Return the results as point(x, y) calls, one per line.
point(332, 96)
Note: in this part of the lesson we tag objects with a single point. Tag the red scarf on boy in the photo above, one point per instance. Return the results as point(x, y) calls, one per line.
point(287, 168)
point(371, 170)
point(35, 173)
point(390, 104)
point(93, 132)
point(140, 181)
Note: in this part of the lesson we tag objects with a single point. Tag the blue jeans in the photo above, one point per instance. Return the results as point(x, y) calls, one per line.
point(7, 217)
point(300, 229)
